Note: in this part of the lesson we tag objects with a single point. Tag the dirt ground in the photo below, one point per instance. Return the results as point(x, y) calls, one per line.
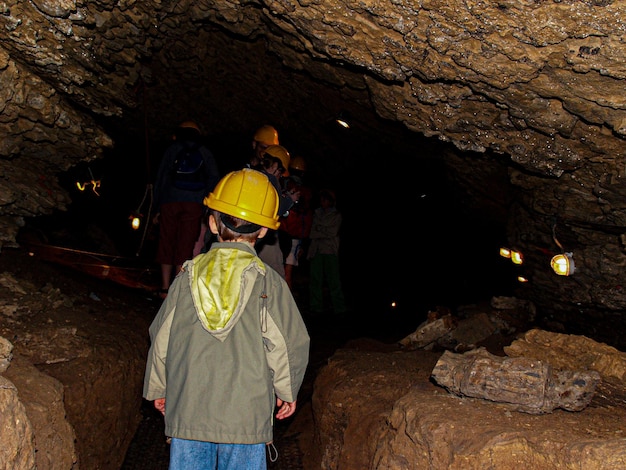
point(91, 335)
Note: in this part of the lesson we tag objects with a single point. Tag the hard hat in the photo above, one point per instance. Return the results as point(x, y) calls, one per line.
point(266, 135)
point(280, 152)
point(247, 194)
point(298, 163)
point(189, 125)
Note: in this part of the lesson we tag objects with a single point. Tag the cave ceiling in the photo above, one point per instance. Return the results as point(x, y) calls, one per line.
point(536, 88)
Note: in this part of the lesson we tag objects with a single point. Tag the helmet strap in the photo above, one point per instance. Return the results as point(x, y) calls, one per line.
point(245, 228)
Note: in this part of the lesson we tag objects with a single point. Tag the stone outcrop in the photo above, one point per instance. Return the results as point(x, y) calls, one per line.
point(71, 369)
point(401, 419)
point(530, 384)
point(18, 449)
point(42, 398)
point(524, 100)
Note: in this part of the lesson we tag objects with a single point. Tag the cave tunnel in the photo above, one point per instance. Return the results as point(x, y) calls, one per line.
point(471, 131)
point(407, 237)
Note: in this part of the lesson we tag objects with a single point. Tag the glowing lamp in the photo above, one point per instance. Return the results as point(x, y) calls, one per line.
point(343, 119)
point(135, 220)
point(94, 183)
point(516, 257)
point(343, 123)
point(505, 252)
point(563, 264)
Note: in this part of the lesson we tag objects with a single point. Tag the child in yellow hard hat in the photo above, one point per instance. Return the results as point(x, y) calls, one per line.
point(229, 343)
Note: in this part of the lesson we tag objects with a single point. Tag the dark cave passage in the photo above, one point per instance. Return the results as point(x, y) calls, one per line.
point(406, 239)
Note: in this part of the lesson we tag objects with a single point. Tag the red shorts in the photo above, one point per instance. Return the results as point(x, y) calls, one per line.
point(179, 228)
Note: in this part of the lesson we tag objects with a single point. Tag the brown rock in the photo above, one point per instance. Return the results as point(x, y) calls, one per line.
point(42, 397)
point(18, 445)
point(530, 384)
point(380, 410)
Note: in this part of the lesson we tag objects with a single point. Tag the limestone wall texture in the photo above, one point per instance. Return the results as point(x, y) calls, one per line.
point(535, 86)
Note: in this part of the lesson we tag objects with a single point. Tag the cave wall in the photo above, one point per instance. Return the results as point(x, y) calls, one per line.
point(537, 87)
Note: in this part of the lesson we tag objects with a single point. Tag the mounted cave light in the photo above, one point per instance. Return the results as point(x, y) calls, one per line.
point(343, 119)
point(136, 216)
point(135, 220)
point(95, 184)
point(522, 279)
point(517, 257)
point(563, 264)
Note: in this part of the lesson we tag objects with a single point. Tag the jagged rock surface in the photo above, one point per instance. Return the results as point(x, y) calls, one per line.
point(529, 95)
point(527, 100)
point(70, 394)
point(401, 419)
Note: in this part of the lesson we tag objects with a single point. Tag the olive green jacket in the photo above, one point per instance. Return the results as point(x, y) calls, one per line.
point(227, 341)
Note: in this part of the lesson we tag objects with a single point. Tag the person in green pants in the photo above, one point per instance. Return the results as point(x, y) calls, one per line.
point(323, 256)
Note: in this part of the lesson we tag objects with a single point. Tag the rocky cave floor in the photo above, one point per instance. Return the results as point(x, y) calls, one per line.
point(53, 299)
point(60, 299)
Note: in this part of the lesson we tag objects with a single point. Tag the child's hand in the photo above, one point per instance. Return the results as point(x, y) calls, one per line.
point(159, 404)
point(285, 410)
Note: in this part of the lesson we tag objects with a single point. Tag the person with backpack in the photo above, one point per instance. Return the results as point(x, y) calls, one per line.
point(186, 175)
point(229, 348)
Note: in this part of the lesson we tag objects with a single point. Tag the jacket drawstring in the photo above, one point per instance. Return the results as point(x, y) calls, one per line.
point(263, 312)
point(272, 451)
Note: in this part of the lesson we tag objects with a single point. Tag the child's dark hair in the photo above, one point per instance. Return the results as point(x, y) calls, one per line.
point(233, 228)
point(268, 160)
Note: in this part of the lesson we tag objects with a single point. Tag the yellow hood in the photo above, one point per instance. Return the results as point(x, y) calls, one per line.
point(221, 283)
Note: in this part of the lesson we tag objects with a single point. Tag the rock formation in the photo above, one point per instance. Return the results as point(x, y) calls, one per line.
point(526, 98)
point(523, 102)
point(400, 419)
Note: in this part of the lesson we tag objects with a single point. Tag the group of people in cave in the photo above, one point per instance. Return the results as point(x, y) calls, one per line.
point(229, 345)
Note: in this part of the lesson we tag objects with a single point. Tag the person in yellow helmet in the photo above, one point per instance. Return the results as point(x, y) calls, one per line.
point(210, 368)
point(275, 164)
point(264, 137)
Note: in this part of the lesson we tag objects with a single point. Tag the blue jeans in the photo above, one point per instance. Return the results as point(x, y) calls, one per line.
point(199, 455)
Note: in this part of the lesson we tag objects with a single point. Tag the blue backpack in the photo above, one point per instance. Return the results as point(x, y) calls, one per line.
point(189, 172)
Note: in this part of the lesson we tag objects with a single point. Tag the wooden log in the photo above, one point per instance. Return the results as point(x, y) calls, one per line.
point(532, 385)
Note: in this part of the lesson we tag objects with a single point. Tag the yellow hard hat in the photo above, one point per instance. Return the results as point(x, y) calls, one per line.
point(280, 152)
point(189, 125)
point(247, 194)
point(298, 163)
point(266, 135)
